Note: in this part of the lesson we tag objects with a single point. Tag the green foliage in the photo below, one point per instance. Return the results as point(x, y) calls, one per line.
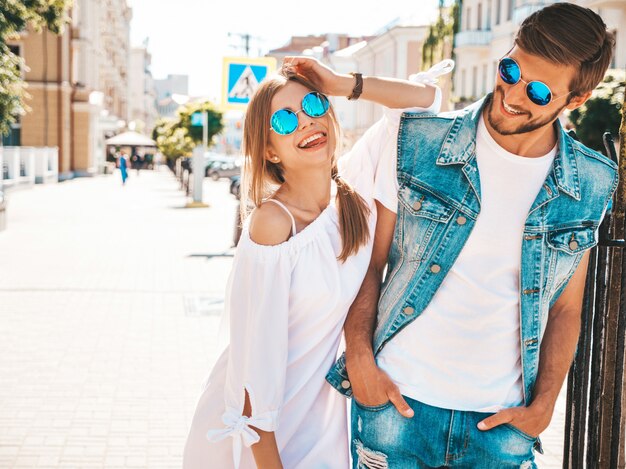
point(215, 125)
point(15, 16)
point(177, 137)
point(601, 113)
point(439, 33)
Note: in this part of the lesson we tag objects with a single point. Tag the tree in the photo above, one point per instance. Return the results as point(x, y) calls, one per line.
point(172, 140)
point(15, 16)
point(177, 137)
point(601, 113)
point(440, 34)
point(215, 125)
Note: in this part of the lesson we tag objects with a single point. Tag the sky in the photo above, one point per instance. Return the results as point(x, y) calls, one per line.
point(191, 36)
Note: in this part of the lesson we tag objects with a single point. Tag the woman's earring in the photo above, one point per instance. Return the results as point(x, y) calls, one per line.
point(275, 159)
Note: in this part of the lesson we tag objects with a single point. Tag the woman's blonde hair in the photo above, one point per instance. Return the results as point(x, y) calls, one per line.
point(261, 177)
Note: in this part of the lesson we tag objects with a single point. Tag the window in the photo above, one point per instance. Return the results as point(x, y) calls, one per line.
point(463, 95)
point(488, 15)
point(14, 137)
point(468, 23)
point(479, 24)
point(509, 13)
point(614, 58)
point(485, 79)
point(498, 10)
point(474, 81)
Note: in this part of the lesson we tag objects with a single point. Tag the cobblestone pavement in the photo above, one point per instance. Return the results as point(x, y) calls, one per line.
point(110, 299)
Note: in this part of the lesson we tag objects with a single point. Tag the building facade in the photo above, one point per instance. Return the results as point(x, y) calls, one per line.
point(77, 84)
point(171, 93)
point(488, 28)
point(142, 92)
point(326, 43)
point(396, 52)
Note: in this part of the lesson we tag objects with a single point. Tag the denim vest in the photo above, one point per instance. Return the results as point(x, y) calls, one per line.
point(438, 202)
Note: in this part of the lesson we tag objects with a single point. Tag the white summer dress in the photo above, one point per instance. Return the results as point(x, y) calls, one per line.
point(286, 306)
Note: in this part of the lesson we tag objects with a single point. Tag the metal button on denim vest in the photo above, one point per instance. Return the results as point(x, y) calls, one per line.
point(439, 200)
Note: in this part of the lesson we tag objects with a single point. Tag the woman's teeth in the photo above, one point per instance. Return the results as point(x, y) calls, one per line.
point(310, 139)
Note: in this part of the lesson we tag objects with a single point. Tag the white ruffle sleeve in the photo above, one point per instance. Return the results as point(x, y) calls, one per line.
point(257, 303)
point(370, 166)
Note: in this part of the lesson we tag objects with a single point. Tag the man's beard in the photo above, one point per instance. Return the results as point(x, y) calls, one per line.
point(528, 126)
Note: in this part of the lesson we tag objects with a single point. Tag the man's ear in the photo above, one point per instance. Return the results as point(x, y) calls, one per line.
point(578, 101)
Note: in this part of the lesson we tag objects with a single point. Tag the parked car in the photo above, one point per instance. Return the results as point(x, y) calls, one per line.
point(224, 169)
point(235, 186)
point(212, 158)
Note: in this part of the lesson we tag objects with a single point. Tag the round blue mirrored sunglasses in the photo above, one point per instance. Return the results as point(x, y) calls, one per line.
point(285, 121)
point(537, 91)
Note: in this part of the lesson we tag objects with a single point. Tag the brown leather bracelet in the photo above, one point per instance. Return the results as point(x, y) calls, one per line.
point(358, 87)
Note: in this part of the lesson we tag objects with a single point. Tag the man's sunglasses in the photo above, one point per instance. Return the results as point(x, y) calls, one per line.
point(537, 91)
point(285, 121)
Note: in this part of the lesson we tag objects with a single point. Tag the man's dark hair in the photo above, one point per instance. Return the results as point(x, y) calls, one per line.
point(568, 34)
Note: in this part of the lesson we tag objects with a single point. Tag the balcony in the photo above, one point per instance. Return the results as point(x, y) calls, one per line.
point(523, 11)
point(472, 38)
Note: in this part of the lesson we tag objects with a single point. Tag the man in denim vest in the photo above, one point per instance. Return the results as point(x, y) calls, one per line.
point(457, 359)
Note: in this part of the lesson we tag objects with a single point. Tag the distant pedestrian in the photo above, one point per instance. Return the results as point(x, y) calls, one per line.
point(137, 162)
point(123, 164)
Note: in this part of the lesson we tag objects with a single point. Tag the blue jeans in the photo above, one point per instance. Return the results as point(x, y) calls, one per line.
point(434, 438)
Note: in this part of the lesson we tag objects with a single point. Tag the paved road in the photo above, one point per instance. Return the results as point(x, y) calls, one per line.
point(109, 304)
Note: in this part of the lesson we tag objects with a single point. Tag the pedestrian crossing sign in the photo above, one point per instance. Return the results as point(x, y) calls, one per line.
point(241, 77)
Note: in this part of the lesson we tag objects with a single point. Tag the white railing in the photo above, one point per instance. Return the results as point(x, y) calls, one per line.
point(473, 38)
point(23, 166)
point(46, 165)
point(521, 12)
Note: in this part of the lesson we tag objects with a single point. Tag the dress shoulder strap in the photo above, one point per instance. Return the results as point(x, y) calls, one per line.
point(293, 220)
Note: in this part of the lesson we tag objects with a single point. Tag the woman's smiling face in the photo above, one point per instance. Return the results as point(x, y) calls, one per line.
point(312, 142)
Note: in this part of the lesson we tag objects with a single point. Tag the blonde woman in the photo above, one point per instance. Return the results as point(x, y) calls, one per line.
point(299, 265)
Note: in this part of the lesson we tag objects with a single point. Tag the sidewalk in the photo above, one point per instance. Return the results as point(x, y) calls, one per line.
point(108, 310)
point(101, 360)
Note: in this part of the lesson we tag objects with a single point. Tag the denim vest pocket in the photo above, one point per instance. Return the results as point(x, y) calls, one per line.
point(567, 246)
point(421, 216)
point(573, 240)
point(423, 204)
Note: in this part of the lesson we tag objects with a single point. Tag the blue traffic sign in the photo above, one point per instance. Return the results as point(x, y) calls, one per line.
point(242, 77)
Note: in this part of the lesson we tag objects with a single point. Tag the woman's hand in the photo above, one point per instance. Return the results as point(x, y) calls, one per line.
point(324, 78)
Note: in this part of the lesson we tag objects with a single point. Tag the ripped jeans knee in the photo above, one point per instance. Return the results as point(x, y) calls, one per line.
point(368, 458)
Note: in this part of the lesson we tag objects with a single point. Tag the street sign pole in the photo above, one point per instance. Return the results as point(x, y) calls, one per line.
point(198, 177)
point(198, 163)
point(205, 130)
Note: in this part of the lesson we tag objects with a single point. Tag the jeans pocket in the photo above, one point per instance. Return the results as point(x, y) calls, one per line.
point(372, 408)
point(520, 432)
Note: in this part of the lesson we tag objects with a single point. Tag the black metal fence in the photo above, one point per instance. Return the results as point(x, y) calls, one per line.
point(595, 421)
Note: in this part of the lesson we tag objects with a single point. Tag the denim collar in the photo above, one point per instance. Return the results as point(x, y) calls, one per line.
point(460, 145)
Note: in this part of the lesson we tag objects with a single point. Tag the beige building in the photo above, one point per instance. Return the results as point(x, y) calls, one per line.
point(142, 92)
point(396, 52)
point(171, 93)
point(487, 31)
point(325, 43)
point(78, 84)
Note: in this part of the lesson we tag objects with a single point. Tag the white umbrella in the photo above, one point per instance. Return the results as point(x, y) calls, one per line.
point(131, 139)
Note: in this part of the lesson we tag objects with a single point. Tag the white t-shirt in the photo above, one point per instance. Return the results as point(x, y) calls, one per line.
point(463, 351)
